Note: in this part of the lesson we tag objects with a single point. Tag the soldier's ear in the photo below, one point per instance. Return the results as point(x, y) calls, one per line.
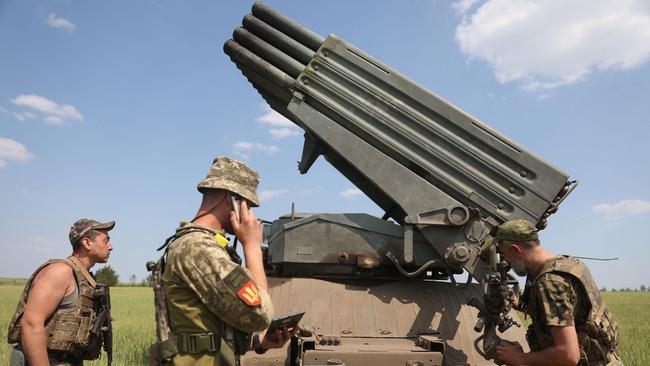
point(86, 243)
point(516, 249)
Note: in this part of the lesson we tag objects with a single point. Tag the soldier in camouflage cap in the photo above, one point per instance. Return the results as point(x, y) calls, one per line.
point(59, 300)
point(212, 301)
point(517, 230)
point(571, 324)
point(82, 227)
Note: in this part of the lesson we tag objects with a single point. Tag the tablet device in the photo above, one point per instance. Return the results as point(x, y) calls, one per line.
point(288, 320)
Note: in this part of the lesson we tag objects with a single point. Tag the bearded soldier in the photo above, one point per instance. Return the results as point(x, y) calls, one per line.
point(59, 306)
point(571, 324)
point(213, 303)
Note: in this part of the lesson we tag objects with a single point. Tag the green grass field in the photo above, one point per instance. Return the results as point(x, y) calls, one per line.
point(133, 324)
point(134, 328)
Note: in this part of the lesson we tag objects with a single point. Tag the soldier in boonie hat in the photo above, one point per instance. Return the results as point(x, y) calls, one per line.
point(215, 292)
point(234, 176)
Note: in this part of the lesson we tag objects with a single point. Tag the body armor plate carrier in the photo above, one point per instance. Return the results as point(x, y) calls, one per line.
point(598, 336)
point(69, 329)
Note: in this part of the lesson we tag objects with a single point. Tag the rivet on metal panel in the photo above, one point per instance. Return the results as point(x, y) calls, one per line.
point(512, 189)
point(384, 331)
point(316, 67)
point(523, 173)
point(326, 52)
point(343, 257)
point(346, 331)
point(305, 81)
point(500, 206)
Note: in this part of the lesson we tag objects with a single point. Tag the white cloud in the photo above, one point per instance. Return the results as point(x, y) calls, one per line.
point(462, 6)
point(245, 148)
point(623, 208)
point(24, 116)
point(55, 22)
point(280, 126)
point(273, 118)
point(3, 110)
point(544, 44)
point(53, 113)
point(13, 150)
point(279, 133)
point(272, 193)
point(351, 192)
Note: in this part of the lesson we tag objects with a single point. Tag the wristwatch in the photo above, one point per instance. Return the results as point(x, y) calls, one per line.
point(257, 344)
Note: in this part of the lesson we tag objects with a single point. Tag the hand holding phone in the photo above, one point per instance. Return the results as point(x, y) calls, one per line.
point(235, 207)
point(244, 224)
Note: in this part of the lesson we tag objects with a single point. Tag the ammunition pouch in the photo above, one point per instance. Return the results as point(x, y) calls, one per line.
point(162, 353)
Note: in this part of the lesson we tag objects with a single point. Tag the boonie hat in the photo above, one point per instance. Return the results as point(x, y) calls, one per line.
point(82, 227)
point(234, 176)
point(515, 230)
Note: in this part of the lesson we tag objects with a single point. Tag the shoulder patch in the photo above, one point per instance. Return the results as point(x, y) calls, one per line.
point(243, 286)
point(250, 294)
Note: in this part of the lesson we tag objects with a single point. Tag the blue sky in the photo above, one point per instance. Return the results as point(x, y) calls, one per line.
point(114, 111)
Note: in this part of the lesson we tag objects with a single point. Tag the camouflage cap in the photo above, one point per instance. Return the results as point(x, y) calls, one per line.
point(234, 176)
point(516, 230)
point(82, 227)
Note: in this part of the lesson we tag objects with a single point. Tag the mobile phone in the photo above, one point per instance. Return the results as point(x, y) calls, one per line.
point(289, 320)
point(235, 207)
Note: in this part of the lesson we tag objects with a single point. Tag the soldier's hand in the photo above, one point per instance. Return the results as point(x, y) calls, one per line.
point(512, 353)
point(513, 297)
point(278, 338)
point(248, 230)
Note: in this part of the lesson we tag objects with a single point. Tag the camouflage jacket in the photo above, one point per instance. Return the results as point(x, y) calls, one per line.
point(563, 293)
point(207, 292)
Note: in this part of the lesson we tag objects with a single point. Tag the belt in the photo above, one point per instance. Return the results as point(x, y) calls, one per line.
point(198, 342)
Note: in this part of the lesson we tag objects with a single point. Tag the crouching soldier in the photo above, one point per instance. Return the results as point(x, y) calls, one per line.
point(63, 315)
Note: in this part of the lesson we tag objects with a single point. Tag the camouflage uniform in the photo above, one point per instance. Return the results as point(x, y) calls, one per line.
point(207, 293)
point(563, 293)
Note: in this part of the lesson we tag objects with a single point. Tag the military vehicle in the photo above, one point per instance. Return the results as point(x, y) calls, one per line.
point(382, 291)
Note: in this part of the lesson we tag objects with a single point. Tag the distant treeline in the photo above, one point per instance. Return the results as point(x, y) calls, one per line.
point(12, 281)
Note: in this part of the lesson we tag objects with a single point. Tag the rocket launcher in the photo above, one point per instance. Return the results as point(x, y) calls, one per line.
point(434, 169)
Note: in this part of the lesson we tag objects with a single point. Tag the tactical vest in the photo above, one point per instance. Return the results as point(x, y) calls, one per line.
point(597, 336)
point(67, 330)
point(210, 337)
